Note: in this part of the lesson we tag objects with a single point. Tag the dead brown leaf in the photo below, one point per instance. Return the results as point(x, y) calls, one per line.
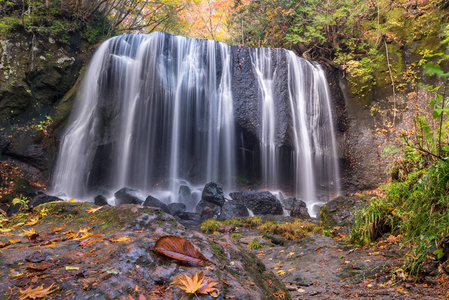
point(179, 248)
point(37, 292)
point(40, 267)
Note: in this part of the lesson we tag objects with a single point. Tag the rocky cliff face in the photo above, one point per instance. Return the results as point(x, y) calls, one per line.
point(35, 75)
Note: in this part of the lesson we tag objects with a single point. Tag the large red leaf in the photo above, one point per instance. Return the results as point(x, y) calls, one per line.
point(179, 248)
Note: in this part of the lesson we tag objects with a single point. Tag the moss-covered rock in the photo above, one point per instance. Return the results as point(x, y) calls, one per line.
point(111, 248)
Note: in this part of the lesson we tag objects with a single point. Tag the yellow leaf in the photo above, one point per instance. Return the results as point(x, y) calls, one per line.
point(5, 229)
point(72, 200)
point(32, 221)
point(14, 241)
point(18, 225)
point(281, 272)
point(191, 284)
point(29, 233)
point(121, 240)
point(37, 292)
point(70, 268)
point(92, 210)
point(292, 269)
point(282, 251)
point(44, 212)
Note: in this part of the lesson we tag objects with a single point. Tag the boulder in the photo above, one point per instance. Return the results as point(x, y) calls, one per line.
point(176, 208)
point(297, 208)
point(151, 201)
point(42, 199)
point(261, 203)
point(207, 210)
point(190, 216)
point(233, 208)
point(100, 200)
point(213, 193)
point(339, 212)
point(127, 196)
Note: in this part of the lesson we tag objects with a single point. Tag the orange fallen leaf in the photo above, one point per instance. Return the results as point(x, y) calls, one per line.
point(121, 240)
point(196, 284)
point(179, 248)
point(92, 210)
point(37, 292)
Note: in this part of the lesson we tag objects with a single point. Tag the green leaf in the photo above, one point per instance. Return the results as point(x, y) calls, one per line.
point(431, 69)
point(435, 115)
point(439, 253)
point(432, 103)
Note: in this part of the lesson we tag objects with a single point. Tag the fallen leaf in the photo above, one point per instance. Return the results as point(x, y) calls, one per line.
point(281, 272)
point(33, 221)
point(208, 286)
point(30, 234)
point(18, 225)
point(57, 229)
point(121, 240)
point(196, 284)
point(40, 267)
point(191, 284)
point(70, 268)
point(37, 292)
point(5, 229)
point(179, 248)
point(292, 269)
point(92, 210)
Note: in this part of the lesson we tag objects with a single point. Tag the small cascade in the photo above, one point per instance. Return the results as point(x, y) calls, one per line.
point(157, 112)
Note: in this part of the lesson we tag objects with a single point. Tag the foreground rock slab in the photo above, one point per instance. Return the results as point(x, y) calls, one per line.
point(87, 252)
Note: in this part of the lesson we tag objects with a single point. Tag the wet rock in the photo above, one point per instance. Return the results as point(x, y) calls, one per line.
point(213, 193)
point(339, 212)
point(430, 267)
point(233, 208)
point(261, 203)
point(207, 210)
point(297, 208)
point(227, 228)
point(189, 216)
point(100, 200)
point(176, 208)
point(42, 199)
point(275, 239)
point(151, 201)
point(127, 196)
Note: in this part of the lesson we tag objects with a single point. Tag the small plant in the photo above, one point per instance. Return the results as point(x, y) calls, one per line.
point(210, 226)
point(21, 201)
point(290, 231)
point(254, 245)
point(44, 125)
point(251, 222)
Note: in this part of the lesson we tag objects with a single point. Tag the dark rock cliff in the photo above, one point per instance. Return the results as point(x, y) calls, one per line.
point(37, 79)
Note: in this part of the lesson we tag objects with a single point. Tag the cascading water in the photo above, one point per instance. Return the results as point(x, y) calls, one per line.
point(159, 111)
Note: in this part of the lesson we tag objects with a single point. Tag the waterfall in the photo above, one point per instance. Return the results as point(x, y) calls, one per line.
point(159, 111)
